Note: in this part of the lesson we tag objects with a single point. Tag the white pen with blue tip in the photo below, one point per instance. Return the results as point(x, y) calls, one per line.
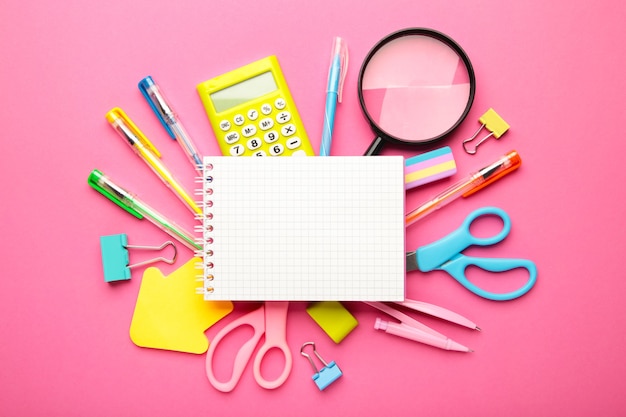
point(336, 78)
point(169, 119)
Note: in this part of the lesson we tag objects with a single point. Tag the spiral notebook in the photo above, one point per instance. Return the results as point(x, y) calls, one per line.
point(303, 229)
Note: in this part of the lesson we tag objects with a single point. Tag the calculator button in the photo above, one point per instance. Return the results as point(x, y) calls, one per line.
point(266, 123)
point(231, 137)
point(280, 103)
point(259, 153)
point(294, 142)
point(239, 119)
point(225, 125)
point(271, 136)
point(237, 150)
point(254, 143)
point(276, 149)
point(253, 114)
point(288, 130)
point(299, 152)
point(266, 109)
point(248, 131)
point(283, 117)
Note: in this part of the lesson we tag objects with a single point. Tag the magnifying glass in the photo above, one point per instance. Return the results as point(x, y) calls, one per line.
point(415, 87)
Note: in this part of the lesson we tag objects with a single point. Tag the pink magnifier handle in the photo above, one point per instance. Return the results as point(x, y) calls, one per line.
point(256, 320)
point(275, 338)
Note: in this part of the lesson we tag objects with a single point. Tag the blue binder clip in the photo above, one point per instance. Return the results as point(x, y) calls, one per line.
point(115, 259)
point(328, 374)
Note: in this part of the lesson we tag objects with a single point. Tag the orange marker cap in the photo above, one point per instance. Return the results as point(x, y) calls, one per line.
point(507, 164)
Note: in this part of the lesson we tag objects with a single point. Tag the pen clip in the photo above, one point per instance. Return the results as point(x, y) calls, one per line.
point(514, 161)
point(150, 90)
point(116, 116)
point(340, 52)
point(98, 181)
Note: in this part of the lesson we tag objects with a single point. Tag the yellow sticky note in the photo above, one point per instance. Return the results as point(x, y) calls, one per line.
point(170, 315)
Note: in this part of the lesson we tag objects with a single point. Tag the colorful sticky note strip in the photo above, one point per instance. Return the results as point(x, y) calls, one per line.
point(428, 167)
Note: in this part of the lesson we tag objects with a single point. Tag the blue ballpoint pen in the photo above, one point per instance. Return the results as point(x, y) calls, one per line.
point(169, 119)
point(336, 78)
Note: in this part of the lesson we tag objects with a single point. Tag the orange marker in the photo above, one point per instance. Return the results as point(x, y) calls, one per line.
point(468, 186)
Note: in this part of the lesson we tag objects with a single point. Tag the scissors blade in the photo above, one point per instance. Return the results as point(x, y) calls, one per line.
point(411, 261)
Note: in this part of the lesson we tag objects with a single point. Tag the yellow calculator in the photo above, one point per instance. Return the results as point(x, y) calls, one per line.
point(252, 112)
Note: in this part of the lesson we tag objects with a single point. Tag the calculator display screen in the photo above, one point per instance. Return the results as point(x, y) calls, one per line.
point(243, 92)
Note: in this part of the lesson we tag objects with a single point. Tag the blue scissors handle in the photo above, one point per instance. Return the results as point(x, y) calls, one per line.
point(456, 268)
point(445, 254)
point(432, 256)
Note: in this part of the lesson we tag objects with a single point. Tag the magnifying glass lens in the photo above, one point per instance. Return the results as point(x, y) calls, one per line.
point(416, 88)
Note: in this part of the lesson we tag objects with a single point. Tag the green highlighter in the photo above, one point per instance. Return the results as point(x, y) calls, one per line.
point(139, 209)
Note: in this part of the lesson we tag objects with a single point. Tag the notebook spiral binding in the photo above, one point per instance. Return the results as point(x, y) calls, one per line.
point(204, 231)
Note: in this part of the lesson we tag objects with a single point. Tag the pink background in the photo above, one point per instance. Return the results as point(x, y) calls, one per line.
point(553, 70)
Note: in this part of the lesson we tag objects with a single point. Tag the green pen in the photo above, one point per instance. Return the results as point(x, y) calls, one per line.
point(139, 209)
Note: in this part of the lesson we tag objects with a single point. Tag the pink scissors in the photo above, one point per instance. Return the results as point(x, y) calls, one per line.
point(269, 319)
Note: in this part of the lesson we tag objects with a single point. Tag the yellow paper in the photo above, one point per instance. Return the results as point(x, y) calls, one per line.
point(170, 315)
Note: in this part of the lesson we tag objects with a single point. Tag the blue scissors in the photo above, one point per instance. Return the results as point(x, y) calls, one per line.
point(445, 255)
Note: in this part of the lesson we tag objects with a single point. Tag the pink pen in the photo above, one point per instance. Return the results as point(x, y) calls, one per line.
point(439, 312)
point(412, 329)
point(411, 333)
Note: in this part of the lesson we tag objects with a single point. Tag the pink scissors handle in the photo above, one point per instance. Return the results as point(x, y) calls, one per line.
point(255, 319)
point(275, 338)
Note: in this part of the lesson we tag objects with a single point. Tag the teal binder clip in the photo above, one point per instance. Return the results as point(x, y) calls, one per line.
point(328, 374)
point(115, 257)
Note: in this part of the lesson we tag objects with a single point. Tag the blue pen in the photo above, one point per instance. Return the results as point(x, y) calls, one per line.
point(336, 78)
point(169, 119)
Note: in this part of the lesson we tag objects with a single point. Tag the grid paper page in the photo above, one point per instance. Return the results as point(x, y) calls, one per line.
point(304, 229)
